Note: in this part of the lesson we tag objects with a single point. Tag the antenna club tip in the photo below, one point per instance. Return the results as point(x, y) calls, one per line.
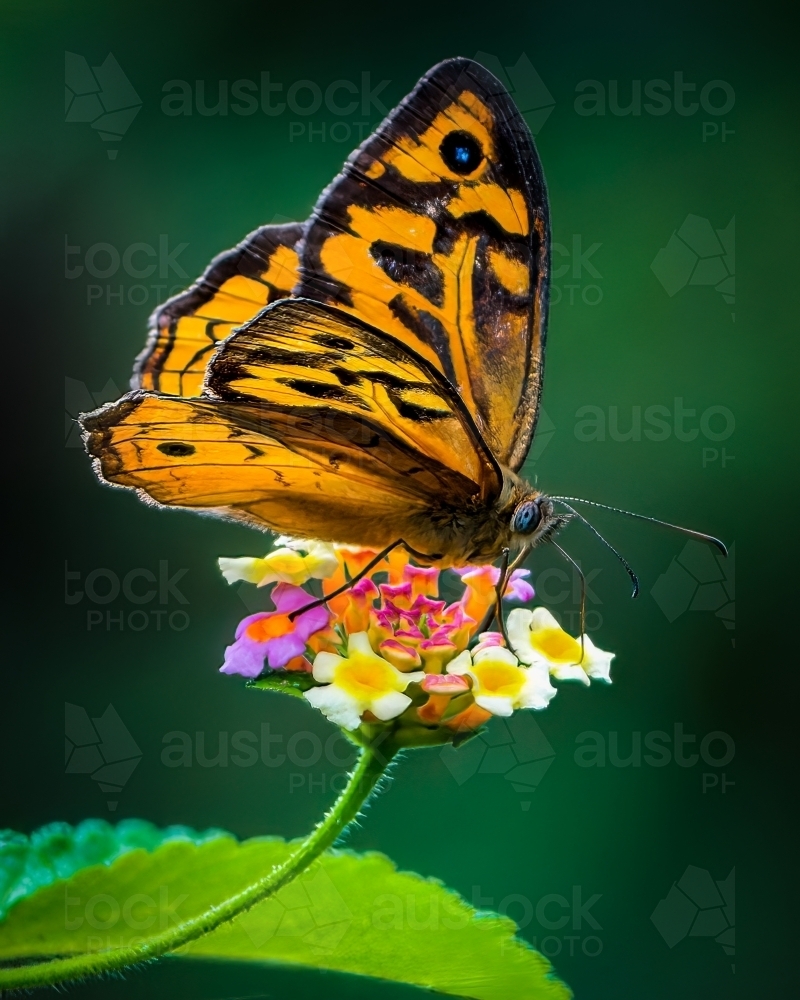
point(721, 546)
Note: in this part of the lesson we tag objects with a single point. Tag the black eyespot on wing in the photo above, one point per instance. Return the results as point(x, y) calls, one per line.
point(176, 449)
point(461, 152)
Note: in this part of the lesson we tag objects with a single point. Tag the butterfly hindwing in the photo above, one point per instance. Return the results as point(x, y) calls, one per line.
point(270, 443)
point(234, 288)
point(437, 232)
point(305, 357)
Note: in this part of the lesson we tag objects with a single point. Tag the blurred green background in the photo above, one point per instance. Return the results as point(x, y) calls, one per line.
point(627, 191)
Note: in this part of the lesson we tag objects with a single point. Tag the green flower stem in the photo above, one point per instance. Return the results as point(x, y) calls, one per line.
point(371, 765)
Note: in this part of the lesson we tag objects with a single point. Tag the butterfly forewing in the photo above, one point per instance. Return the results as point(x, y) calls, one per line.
point(437, 233)
point(234, 288)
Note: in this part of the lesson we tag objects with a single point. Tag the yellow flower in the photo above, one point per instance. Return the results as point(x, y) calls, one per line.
point(538, 640)
point(500, 684)
point(285, 564)
point(360, 682)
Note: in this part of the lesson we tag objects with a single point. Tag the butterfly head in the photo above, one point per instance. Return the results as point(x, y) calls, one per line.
point(533, 519)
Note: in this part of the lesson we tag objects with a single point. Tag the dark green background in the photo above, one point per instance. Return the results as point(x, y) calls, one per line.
point(625, 182)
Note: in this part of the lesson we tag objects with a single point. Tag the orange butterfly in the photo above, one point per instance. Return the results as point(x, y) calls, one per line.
point(372, 376)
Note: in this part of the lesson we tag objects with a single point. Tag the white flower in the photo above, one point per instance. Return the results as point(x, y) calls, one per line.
point(538, 639)
point(359, 682)
point(500, 684)
point(285, 564)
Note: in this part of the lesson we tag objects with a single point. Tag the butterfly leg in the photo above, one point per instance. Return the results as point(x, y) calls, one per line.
point(353, 580)
point(579, 571)
point(499, 590)
point(491, 614)
point(362, 573)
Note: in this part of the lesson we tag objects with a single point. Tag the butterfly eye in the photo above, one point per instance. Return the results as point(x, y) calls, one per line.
point(526, 518)
point(461, 152)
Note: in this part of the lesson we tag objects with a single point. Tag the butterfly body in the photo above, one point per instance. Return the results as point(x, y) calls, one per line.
point(374, 374)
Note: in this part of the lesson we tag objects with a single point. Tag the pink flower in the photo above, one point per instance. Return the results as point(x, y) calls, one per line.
point(481, 581)
point(272, 635)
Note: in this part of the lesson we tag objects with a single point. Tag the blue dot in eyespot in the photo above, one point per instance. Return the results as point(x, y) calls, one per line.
point(462, 154)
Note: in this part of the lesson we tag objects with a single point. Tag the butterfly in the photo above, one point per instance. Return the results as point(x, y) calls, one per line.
point(373, 375)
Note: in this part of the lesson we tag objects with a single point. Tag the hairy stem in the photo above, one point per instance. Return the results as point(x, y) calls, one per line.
point(371, 765)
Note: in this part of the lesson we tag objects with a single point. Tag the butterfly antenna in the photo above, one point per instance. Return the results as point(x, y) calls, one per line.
point(628, 568)
point(700, 535)
point(579, 571)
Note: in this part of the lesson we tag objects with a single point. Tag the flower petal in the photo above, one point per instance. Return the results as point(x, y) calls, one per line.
point(497, 654)
point(287, 598)
point(572, 672)
point(596, 662)
point(461, 664)
point(542, 618)
point(389, 705)
point(244, 568)
point(325, 665)
point(359, 642)
point(336, 705)
point(496, 704)
point(537, 692)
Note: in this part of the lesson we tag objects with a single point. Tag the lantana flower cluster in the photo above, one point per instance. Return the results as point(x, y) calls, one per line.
point(390, 651)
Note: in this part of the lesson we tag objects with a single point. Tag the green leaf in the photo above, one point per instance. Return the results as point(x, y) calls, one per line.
point(293, 682)
point(72, 891)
